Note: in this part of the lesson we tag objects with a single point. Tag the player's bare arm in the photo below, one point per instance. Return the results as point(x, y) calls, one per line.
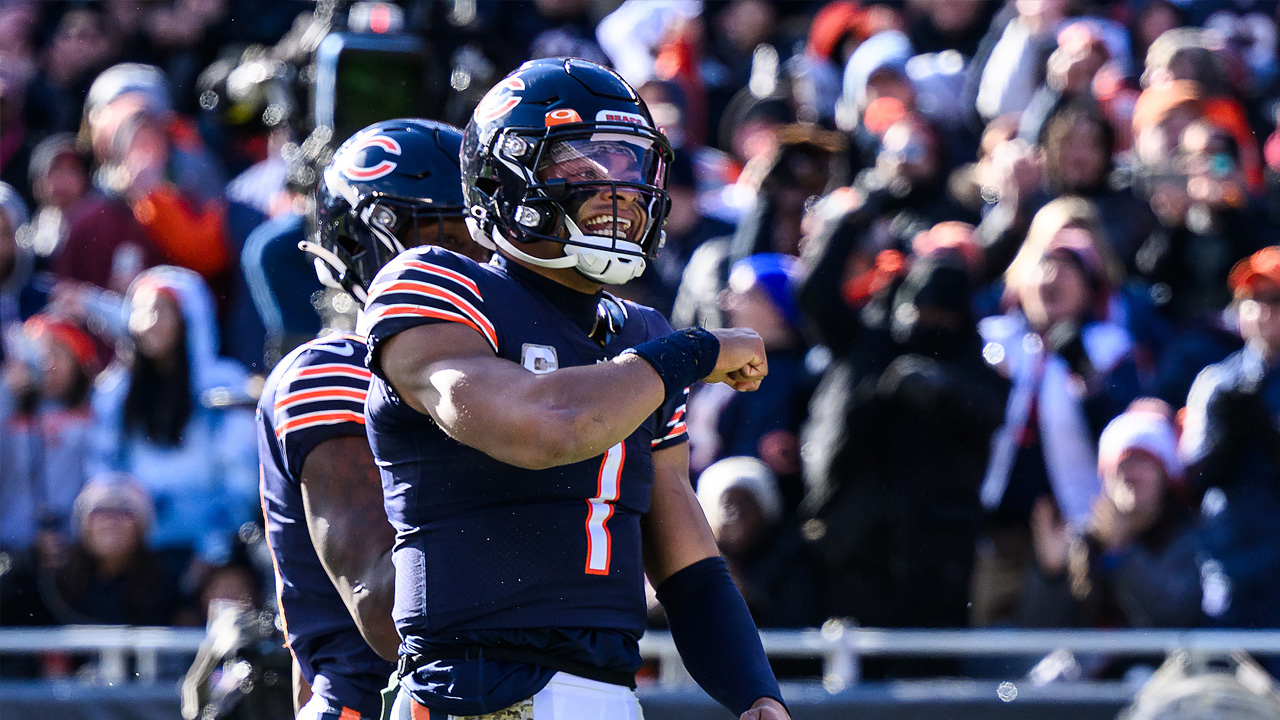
point(342, 498)
point(537, 421)
point(676, 535)
point(675, 531)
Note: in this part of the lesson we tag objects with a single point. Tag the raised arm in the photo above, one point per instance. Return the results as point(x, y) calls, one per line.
point(535, 421)
point(342, 498)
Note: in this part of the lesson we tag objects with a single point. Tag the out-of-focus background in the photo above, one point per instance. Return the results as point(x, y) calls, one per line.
point(1014, 263)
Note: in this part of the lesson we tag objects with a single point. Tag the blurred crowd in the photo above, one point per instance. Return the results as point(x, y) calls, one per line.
point(1012, 262)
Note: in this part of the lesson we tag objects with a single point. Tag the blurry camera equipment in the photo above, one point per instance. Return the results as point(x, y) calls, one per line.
point(372, 72)
point(1206, 687)
point(242, 671)
point(251, 96)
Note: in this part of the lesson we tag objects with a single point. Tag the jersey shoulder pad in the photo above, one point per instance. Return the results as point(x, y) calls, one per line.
point(427, 285)
point(319, 393)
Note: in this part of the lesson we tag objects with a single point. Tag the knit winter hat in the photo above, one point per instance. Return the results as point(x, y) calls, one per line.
point(1144, 429)
point(115, 491)
point(747, 473)
point(67, 334)
point(776, 274)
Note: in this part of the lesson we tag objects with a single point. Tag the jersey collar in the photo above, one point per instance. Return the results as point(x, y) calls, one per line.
point(579, 307)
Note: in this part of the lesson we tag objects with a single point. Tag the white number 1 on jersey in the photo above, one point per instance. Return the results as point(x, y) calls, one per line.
point(600, 509)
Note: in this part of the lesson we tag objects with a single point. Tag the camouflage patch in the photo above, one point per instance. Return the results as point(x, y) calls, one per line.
point(522, 710)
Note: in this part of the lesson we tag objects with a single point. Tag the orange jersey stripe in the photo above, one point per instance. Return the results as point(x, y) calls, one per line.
point(320, 418)
point(394, 311)
point(302, 396)
point(334, 369)
point(457, 301)
point(459, 278)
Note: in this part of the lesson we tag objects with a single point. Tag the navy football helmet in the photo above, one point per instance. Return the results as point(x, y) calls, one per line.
point(565, 150)
point(391, 186)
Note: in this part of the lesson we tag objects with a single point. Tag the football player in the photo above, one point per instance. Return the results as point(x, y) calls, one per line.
point(395, 184)
point(529, 426)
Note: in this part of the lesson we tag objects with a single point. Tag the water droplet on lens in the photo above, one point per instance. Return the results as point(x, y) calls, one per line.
point(1007, 692)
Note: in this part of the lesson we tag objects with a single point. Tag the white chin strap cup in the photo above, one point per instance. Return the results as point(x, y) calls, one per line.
point(603, 266)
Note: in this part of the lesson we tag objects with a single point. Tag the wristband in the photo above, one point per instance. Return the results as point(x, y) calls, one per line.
point(680, 358)
point(716, 637)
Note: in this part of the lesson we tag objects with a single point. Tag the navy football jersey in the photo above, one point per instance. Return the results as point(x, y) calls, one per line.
point(317, 392)
point(488, 553)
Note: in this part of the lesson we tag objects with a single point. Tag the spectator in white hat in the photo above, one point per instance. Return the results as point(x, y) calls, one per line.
point(1137, 564)
point(766, 557)
point(109, 575)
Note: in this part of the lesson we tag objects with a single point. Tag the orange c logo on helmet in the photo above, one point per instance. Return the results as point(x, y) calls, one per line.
point(356, 169)
point(496, 104)
point(562, 116)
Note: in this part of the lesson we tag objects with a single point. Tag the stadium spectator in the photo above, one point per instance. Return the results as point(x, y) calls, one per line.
point(806, 163)
point(1069, 75)
point(733, 31)
point(1078, 146)
point(540, 29)
point(1231, 446)
point(898, 431)
point(769, 562)
point(761, 295)
point(110, 576)
point(127, 89)
point(1072, 371)
point(1017, 60)
point(687, 228)
point(1137, 563)
point(938, 25)
point(1129, 303)
point(1010, 176)
point(911, 167)
point(81, 47)
point(230, 584)
point(1208, 222)
point(166, 412)
point(142, 219)
point(46, 427)
point(18, 133)
point(60, 182)
point(1152, 20)
point(875, 92)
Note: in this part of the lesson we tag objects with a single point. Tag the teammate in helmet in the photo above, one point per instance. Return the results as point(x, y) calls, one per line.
point(394, 185)
point(529, 426)
point(391, 186)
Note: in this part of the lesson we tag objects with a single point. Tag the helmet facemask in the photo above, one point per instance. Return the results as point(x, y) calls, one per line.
point(595, 188)
point(371, 234)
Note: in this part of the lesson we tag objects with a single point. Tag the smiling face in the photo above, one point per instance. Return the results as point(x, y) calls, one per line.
point(596, 205)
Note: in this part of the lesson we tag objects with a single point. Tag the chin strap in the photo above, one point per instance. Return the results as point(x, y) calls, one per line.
point(329, 267)
point(598, 264)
